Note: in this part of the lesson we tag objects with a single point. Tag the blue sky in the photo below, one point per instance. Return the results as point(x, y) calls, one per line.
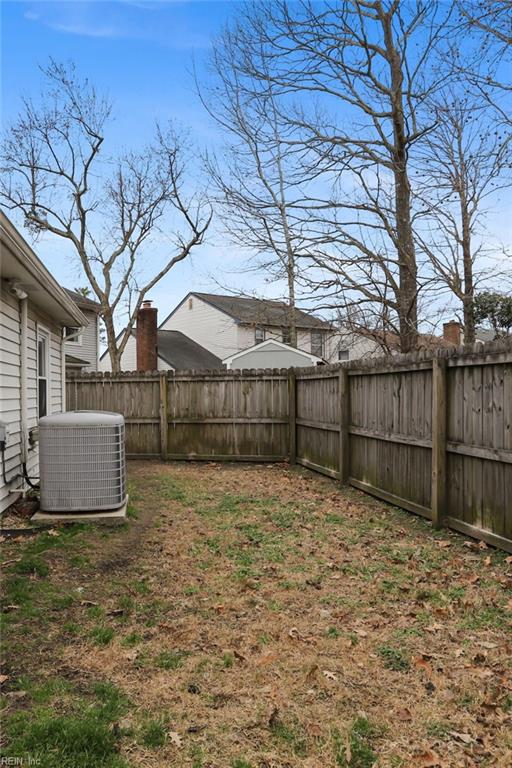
point(141, 54)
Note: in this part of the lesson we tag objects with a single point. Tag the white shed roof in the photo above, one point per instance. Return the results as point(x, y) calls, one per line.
point(274, 346)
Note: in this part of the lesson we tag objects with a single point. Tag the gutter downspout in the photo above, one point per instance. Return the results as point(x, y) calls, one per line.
point(23, 304)
point(63, 370)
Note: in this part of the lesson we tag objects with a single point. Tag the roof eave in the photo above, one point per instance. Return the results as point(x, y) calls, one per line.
point(28, 261)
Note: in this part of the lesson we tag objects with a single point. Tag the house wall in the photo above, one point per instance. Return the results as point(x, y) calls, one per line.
point(129, 359)
point(271, 357)
point(358, 346)
point(207, 326)
point(88, 346)
point(246, 339)
point(10, 392)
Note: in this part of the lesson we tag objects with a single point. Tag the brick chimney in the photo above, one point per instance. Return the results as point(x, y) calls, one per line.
point(452, 332)
point(147, 338)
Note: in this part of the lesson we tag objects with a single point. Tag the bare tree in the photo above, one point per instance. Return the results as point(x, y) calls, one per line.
point(260, 183)
point(366, 67)
point(110, 210)
point(492, 18)
point(487, 64)
point(463, 164)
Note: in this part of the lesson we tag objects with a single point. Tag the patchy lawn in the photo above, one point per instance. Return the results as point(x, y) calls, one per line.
point(256, 617)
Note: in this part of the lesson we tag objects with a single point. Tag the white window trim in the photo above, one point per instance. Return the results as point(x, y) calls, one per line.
point(75, 339)
point(262, 329)
point(44, 333)
point(319, 335)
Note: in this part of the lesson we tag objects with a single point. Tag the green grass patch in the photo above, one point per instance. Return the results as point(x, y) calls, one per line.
point(438, 729)
point(169, 490)
point(292, 735)
point(102, 635)
point(170, 659)
point(153, 733)
point(31, 565)
point(357, 750)
point(82, 737)
point(487, 617)
point(394, 658)
point(131, 640)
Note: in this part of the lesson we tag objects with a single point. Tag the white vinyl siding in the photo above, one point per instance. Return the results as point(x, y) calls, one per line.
point(271, 356)
point(246, 340)
point(87, 346)
point(207, 326)
point(10, 405)
point(10, 394)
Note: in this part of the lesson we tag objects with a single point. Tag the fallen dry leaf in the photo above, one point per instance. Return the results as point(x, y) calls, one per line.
point(428, 759)
point(464, 737)
point(404, 715)
point(421, 663)
point(3, 679)
point(175, 738)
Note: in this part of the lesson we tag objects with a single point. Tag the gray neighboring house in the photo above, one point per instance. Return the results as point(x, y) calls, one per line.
point(83, 348)
point(227, 325)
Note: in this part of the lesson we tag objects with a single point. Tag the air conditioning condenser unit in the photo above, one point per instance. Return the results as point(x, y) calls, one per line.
point(82, 465)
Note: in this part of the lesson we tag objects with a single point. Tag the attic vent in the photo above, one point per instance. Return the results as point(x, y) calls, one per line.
point(191, 303)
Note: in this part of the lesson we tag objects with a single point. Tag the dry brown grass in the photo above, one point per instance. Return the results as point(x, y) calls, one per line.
point(260, 612)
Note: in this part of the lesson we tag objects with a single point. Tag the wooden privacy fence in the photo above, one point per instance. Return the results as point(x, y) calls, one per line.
point(429, 432)
point(214, 415)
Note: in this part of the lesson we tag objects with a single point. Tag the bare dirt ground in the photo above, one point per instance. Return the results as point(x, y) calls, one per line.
point(256, 617)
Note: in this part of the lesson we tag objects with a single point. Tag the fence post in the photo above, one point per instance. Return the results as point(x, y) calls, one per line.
point(292, 415)
point(344, 425)
point(164, 429)
point(438, 441)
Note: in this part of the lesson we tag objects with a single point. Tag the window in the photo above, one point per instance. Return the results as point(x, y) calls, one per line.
point(317, 343)
point(286, 336)
point(76, 333)
point(343, 354)
point(43, 344)
point(259, 335)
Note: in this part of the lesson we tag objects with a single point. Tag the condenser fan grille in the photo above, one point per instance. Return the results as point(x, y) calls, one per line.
point(82, 467)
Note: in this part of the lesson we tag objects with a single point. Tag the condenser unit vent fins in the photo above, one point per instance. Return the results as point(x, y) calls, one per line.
point(82, 461)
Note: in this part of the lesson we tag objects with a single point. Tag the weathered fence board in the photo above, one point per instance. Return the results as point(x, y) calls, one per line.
point(429, 432)
point(194, 415)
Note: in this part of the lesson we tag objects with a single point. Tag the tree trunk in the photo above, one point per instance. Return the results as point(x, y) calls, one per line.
point(469, 290)
point(292, 321)
point(408, 272)
point(111, 342)
point(408, 311)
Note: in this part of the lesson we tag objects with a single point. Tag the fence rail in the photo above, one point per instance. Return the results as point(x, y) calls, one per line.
point(431, 433)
